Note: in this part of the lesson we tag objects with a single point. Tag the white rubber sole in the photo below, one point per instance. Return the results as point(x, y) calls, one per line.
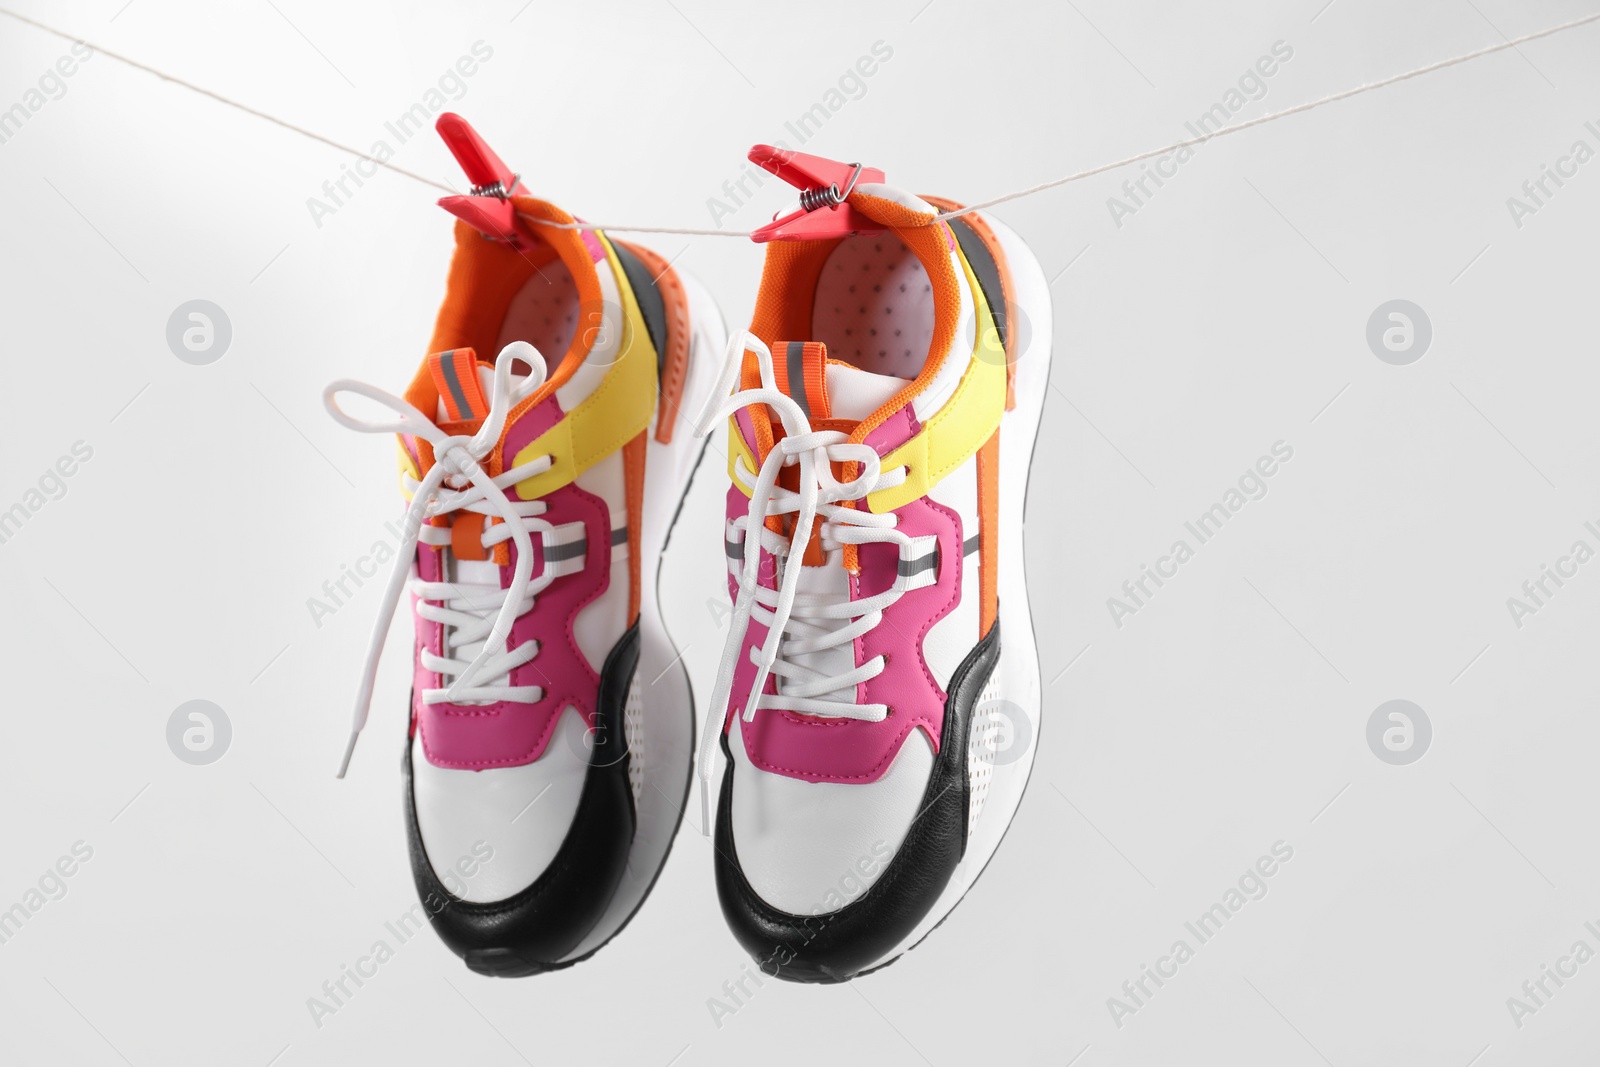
point(1015, 685)
point(665, 741)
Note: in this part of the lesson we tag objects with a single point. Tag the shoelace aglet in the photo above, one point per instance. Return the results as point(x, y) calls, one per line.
point(754, 700)
point(349, 750)
point(452, 694)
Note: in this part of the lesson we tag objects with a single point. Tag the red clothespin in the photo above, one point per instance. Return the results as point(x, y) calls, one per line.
point(488, 209)
point(824, 185)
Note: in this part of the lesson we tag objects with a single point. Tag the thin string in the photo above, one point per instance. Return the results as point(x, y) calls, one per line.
point(1276, 115)
point(246, 108)
point(1153, 153)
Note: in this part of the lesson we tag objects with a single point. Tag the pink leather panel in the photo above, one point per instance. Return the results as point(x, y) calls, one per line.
point(507, 733)
point(849, 750)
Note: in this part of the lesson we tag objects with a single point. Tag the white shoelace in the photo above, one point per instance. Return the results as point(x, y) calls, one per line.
point(798, 623)
point(457, 482)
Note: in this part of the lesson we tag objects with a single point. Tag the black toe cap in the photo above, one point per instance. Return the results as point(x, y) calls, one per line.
point(838, 945)
point(536, 928)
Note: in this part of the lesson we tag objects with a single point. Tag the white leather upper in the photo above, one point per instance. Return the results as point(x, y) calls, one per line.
point(810, 848)
point(948, 641)
point(854, 393)
point(601, 622)
point(464, 814)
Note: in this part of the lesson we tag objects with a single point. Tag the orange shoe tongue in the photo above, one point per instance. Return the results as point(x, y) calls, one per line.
point(801, 370)
point(463, 404)
point(836, 395)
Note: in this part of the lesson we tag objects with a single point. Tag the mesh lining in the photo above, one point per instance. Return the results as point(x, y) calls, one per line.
point(544, 312)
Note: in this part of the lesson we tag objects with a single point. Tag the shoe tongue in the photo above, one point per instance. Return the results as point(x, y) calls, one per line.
point(465, 388)
point(466, 385)
point(799, 368)
point(835, 396)
point(831, 391)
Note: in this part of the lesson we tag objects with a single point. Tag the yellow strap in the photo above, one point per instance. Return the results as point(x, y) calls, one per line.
point(954, 433)
point(738, 448)
point(407, 466)
point(615, 413)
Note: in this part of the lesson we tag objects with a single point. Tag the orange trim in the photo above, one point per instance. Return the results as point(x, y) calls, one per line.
point(633, 463)
point(675, 359)
point(466, 535)
point(484, 277)
point(789, 288)
point(435, 364)
point(816, 383)
point(425, 455)
point(988, 533)
point(459, 384)
point(1008, 290)
point(813, 386)
point(784, 302)
point(780, 366)
point(813, 556)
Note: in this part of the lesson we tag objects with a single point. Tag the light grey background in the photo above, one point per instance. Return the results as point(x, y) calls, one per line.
point(1228, 313)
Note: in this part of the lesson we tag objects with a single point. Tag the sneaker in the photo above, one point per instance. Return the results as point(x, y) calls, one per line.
point(879, 691)
point(551, 726)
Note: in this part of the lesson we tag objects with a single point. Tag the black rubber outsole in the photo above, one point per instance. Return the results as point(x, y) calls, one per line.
point(504, 963)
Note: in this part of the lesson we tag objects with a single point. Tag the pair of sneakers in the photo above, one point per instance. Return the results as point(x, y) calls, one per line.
point(879, 690)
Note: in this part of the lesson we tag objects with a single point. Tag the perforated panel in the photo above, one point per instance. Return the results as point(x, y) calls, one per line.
point(983, 740)
point(633, 732)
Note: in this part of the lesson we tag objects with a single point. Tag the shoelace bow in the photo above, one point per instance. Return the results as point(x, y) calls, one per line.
point(796, 623)
point(458, 482)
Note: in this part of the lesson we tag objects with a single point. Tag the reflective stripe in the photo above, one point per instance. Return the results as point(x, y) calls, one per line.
point(733, 548)
point(566, 549)
point(919, 564)
point(448, 366)
point(796, 357)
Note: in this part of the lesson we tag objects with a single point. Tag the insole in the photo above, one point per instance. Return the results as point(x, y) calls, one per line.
point(874, 306)
point(544, 312)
